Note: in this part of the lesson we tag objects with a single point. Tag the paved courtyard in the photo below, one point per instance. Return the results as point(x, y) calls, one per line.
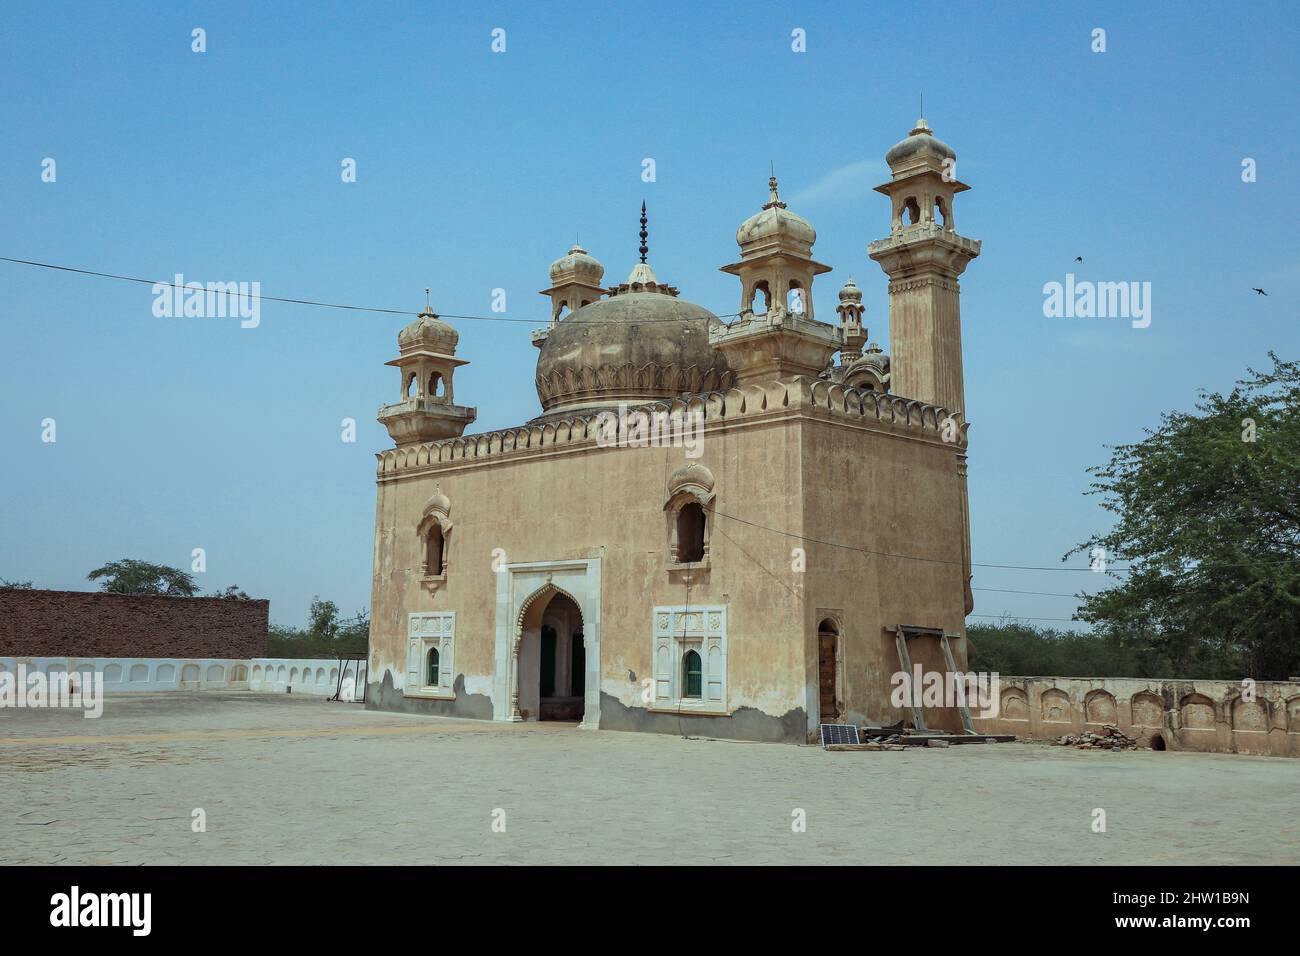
point(299, 781)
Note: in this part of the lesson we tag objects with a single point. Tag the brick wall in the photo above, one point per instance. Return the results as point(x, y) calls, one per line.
point(94, 624)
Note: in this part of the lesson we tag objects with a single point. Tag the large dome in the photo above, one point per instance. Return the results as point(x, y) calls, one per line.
point(632, 347)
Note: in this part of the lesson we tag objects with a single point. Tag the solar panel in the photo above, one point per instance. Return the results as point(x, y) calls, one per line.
point(839, 734)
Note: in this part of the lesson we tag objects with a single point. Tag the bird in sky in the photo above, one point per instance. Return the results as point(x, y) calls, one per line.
point(1078, 258)
point(1260, 291)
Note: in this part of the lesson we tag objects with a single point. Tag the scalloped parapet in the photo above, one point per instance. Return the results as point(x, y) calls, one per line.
point(814, 397)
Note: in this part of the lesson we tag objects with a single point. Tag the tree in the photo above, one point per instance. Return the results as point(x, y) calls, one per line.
point(327, 635)
point(1208, 508)
point(130, 576)
point(324, 617)
point(7, 585)
point(232, 593)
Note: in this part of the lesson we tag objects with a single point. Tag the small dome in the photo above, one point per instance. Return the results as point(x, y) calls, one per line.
point(438, 503)
point(577, 264)
point(428, 332)
point(775, 222)
point(921, 142)
point(874, 355)
point(850, 292)
point(691, 473)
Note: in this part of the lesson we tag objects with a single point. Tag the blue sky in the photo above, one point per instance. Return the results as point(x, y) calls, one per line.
point(474, 172)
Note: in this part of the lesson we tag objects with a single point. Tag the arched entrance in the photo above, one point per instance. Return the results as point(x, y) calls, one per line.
point(551, 658)
point(562, 661)
point(828, 640)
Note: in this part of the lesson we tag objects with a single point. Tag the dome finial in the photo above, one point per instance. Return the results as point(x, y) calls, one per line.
point(644, 235)
point(773, 197)
point(427, 306)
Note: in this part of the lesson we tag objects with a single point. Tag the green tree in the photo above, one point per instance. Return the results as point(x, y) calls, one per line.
point(7, 585)
point(130, 576)
point(326, 635)
point(232, 593)
point(1208, 520)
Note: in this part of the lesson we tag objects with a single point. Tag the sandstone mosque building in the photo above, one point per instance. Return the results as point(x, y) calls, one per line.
point(751, 584)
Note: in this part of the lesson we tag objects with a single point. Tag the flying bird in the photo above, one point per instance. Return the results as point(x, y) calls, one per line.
point(1078, 258)
point(1260, 291)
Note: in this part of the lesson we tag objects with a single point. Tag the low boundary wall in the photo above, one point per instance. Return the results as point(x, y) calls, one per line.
point(317, 678)
point(1206, 715)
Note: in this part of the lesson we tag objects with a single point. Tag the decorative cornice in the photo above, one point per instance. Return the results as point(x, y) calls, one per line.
point(652, 381)
point(924, 282)
point(811, 397)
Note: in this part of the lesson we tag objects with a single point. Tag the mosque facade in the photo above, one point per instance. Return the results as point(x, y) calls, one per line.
point(729, 529)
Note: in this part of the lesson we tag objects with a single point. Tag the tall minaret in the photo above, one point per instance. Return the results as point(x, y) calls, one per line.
point(923, 257)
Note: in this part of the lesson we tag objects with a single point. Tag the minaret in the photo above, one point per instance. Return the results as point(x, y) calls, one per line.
point(850, 310)
point(776, 335)
point(575, 282)
point(775, 260)
point(923, 257)
point(426, 410)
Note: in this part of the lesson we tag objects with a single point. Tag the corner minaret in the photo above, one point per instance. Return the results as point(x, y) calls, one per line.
point(575, 282)
point(427, 360)
point(776, 267)
point(776, 335)
point(923, 257)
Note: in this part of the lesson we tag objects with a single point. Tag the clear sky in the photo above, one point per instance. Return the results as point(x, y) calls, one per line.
point(476, 169)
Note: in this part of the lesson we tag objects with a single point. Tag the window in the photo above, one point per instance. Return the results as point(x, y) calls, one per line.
point(690, 495)
point(692, 676)
point(690, 659)
point(431, 655)
point(433, 564)
point(912, 211)
point(794, 299)
point(690, 533)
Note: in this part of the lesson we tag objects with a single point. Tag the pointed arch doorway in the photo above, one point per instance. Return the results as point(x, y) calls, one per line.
point(548, 642)
point(552, 654)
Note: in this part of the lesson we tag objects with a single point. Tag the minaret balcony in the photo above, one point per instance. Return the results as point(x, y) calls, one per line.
point(421, 419)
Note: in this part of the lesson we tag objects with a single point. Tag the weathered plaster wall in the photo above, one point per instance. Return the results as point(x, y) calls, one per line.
point(39, 623)
point(804, 459)
point(885, 493)
point(606, 503)
point(1204, 715)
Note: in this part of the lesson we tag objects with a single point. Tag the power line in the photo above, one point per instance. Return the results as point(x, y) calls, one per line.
point(1040, 593)
point(1025, 617)
point(335, 305)
point(908, 557)
point(973, 564)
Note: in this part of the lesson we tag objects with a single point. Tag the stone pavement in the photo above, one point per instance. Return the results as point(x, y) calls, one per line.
point(298, 781)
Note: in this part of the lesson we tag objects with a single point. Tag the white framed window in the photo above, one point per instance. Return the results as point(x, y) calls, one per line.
point(690, 659)
point(431, 654)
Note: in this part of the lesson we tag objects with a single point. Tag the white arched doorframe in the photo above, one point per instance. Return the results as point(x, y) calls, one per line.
point(519, 588)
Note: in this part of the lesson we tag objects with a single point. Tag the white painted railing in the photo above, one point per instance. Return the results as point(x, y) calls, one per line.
point(316, 678)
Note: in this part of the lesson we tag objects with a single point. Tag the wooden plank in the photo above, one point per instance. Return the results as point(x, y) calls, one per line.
point(952, 669)
point(905, 660)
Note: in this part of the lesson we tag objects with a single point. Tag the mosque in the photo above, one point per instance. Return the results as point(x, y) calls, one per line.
point(769, 576)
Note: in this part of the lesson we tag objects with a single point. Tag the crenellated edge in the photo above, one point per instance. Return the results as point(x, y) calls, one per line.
point(777, 397)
